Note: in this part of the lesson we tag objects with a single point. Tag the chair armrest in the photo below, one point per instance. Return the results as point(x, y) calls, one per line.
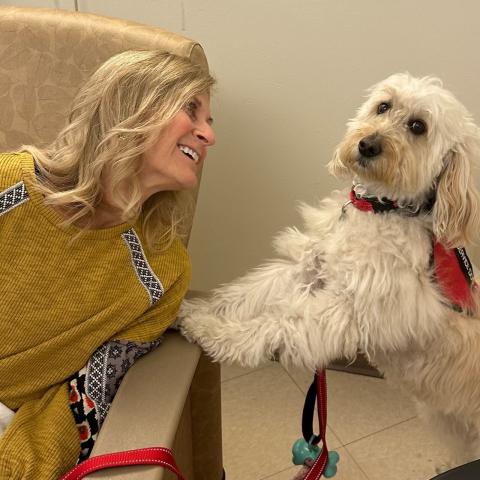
point(150, 408)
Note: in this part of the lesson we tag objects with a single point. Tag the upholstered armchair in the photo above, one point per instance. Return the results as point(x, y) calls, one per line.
point(171, 397)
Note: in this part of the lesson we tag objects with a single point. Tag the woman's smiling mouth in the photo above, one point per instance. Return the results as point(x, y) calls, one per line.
point(189, 152)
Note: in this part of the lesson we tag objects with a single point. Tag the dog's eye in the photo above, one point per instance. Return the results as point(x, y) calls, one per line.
point(383, 107)
point(417, 127)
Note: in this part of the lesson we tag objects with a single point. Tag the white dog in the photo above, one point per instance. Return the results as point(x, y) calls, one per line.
point(361, 281)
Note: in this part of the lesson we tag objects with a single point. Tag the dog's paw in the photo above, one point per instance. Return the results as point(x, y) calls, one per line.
point(185, 311)
point(193, 320)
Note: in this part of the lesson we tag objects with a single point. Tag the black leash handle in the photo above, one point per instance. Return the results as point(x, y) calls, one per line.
point(307, 414)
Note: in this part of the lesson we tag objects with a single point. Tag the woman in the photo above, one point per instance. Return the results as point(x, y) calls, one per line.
point(92, 267)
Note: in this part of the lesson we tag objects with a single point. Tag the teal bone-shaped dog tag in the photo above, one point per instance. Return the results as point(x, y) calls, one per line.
point(303, 451)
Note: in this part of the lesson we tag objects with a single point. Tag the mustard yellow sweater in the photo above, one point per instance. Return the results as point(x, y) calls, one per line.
point(60, 299)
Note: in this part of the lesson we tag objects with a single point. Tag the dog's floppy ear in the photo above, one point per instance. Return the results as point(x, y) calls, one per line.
point(336, 166)
point(455, 214)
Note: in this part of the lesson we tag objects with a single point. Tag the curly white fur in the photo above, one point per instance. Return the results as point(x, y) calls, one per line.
point(355, 281)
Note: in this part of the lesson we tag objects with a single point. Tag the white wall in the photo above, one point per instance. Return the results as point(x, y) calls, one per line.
point(290, 74)
point(64, 4)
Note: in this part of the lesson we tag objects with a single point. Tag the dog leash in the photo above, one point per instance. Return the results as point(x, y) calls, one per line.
point(305, 450)
point(142, 456)
point(318, 461)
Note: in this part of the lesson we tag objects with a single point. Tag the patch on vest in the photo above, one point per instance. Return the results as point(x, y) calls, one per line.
point(454, 274)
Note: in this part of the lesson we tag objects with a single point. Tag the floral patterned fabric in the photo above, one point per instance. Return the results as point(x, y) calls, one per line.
point(93, 388)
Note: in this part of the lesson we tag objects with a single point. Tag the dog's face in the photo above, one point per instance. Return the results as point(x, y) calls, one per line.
point(403, 137)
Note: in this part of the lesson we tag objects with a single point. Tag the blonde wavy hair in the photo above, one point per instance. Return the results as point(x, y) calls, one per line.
point(115, 118)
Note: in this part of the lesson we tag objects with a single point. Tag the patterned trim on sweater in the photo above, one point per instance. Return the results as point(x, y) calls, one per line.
point(144, 272)
point(93, 388)
point(13, 197)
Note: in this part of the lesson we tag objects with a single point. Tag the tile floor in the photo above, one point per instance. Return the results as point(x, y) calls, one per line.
point(371, 424)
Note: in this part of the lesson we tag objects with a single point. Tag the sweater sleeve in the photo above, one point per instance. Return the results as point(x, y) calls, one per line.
point(42, 441)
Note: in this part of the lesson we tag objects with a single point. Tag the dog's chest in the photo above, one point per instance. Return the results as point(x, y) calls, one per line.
point(373, 246)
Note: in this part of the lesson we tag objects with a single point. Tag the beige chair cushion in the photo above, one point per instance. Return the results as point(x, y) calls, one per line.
point(46, 55)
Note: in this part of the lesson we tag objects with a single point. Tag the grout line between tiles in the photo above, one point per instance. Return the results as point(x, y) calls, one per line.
point(276, 473)
point(354, 460)
point(270, 475)
point(246, 373)
point(293, 380)
point(379, 431)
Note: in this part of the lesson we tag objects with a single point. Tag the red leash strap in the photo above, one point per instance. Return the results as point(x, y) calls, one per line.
point(319, 466)
point(143, 456)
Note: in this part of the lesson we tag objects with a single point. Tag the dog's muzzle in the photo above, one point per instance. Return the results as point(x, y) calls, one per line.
point(369, 148)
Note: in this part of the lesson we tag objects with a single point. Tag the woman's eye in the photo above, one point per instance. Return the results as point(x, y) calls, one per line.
point(191, 109)
point(383, 107)
point(417, 127)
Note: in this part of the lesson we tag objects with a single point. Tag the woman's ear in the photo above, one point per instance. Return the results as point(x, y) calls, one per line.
point(455, 215)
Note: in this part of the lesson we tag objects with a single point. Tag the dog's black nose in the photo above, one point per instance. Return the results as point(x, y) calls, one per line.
point(370, 146)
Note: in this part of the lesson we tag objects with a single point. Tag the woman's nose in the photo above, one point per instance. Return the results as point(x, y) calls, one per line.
point(206, 134)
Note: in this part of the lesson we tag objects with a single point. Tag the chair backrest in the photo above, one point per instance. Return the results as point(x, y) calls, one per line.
point(47, 55)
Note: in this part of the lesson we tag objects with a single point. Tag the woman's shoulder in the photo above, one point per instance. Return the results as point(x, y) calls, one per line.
point(12, 168)
point(171, 262)
point(176, 253)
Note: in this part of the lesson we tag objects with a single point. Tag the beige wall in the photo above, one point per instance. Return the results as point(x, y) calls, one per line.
point(290, 73)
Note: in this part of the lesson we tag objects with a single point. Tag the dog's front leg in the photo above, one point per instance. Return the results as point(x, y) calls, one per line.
point(242, 322)
point(279, 310)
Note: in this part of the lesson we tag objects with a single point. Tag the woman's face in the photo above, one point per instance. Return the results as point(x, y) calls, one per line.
point(174, 161)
